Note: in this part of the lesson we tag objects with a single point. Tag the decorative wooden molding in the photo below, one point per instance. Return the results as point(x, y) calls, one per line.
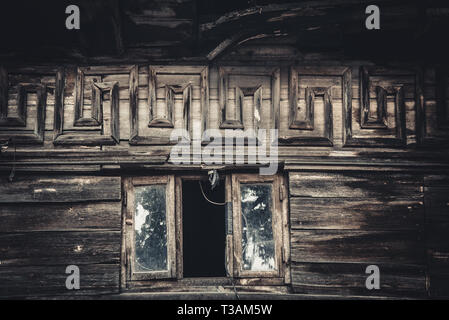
point(233, 119)
point(171, 90)
point(420, 107)
point(380, 121)
point(96, 118)
point(37, 136)
point(40, 89)
point(20, 120)
point(110, 134)
point(308, 124)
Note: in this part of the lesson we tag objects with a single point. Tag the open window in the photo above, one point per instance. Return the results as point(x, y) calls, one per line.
point(150, 250)
point(180, 228)
point(260, 233)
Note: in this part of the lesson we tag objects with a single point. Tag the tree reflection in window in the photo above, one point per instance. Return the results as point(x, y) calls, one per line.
point(257, 229)
point(150, 229)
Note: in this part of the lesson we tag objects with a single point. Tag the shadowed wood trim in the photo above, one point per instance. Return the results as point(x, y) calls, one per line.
point(381, 120)
point(397, 91)
point(37, 136)
point(20, 119)
point(80, 120)
point(422, 138)
point(442, 78)
point(3, 92)
point(420, 107)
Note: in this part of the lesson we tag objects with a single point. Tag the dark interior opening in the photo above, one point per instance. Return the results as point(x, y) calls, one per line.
point(203, 230)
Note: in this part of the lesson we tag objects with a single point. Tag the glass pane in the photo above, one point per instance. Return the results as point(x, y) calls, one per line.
point(150, 225)
point(257, 228)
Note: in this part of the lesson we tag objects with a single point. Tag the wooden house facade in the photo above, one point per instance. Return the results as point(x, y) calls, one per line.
point(89, 179)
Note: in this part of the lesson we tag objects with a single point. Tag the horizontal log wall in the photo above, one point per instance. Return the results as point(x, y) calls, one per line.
point(49, 222)
point(436, 190)
point(343, 222)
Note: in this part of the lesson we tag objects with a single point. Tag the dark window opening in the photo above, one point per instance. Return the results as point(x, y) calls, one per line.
point(203, 230)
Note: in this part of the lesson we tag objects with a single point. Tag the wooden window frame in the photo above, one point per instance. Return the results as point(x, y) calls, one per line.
point(129, 234)
point(279, 224)
point(281, 276)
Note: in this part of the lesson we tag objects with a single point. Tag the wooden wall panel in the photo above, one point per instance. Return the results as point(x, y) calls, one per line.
point(349, 246)
point(355, 184)
point(343, 222)
point(102, 127)
point(60, 189)
point(248, 99)
point(432, 103)
point(437, 224)
point(348, 279)
point(25, 126)
point(305, 124)
point(50, 222)
point(379, 123)
point(99, 106)
point(177, 98)
point(49, 281)
point(357, 213)
point(60, 216)
point(59, 248)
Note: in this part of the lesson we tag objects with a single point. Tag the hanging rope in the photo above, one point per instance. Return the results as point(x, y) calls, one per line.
point(204, 195)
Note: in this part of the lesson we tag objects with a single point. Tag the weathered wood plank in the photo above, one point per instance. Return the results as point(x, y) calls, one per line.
point(58, 217)
point(357, 246)
point(357, 213)
point(349, 279)
point(50, 280)
point(60, 189)
point(437, 240)
point(438, 245)
point(439, 284)
point(437, 207)
point(440, 180)
point(65, 248)
point(354, 184)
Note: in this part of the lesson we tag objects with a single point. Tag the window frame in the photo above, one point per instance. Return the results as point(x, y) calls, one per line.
point(130, 185)
point(279, 226)
point(281, 233)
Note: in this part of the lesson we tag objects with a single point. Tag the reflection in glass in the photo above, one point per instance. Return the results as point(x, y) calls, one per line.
point(150, 228)
point(257, 228)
